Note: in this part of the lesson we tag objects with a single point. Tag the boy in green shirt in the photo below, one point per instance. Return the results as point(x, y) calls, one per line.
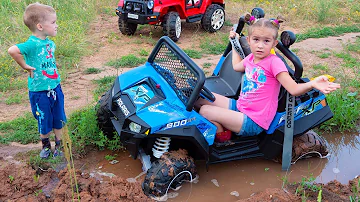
point(36, 56)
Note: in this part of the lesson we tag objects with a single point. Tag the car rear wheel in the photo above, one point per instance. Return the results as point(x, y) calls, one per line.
point(172, 25)
point(213, 19)
point(103, 115)
point(169, 171)
point(127, 28)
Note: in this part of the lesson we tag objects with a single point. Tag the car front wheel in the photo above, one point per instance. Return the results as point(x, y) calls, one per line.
point(213, 19)
point(172, 25)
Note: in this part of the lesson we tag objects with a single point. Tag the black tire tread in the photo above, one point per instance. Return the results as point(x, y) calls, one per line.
point(206, 19)
point(126, 28)
point(163, 171)
point(169, 25)
point(103, 115)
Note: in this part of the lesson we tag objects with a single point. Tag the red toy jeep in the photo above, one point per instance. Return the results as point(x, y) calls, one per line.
point(168, 14)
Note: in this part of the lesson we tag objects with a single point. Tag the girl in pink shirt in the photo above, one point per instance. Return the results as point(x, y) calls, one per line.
point(264, 74)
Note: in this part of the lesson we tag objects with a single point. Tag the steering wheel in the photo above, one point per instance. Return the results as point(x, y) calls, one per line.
point(207, 94)
point(204, 92)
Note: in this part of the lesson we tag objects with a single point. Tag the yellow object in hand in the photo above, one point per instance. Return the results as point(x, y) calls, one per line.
point(331, 78)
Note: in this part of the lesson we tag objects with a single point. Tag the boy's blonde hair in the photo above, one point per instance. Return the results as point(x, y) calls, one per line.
point(36, 13)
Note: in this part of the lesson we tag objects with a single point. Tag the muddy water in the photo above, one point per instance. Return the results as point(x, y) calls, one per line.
point(240, 179)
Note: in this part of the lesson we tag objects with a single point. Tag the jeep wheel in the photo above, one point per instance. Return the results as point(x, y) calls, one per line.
point(306, 145)
point(164, 170)
point(213, 18)
point(172, 25)
point(126, 28)
point(103, 115)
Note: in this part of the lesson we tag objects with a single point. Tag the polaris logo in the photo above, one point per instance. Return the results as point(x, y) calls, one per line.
point(122, 107)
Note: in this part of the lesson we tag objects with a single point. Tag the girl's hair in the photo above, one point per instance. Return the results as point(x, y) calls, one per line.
point(262, 22)
point(36, 13)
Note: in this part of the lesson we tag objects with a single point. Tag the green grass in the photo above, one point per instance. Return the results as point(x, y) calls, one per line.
point(23, 130)
point(127, 61)
point(345, 102)
point(84, 131)
point(193, 53)
point(327, 31)
point(92, 70)
point(104, 85)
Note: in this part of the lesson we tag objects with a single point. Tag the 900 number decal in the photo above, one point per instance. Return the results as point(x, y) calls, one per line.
point(179, 123)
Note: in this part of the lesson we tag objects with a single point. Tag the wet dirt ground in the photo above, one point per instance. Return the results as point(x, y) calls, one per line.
point(243, 180)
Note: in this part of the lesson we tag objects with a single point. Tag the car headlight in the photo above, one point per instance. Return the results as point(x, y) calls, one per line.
point(150, 4)
point(134, 127)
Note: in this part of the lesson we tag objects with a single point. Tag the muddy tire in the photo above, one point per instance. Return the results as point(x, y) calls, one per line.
point(163, 171)
point(103, 115)
point(309, 143)
point(213, 19)
point(172, 25)
point(126, 28)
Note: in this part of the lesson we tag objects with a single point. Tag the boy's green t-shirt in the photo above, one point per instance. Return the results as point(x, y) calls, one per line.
point(40, 54)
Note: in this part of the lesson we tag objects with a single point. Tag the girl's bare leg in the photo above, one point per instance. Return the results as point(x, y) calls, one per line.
point(223, 117)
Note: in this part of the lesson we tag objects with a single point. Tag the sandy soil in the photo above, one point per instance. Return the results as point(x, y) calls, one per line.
point(23, 185)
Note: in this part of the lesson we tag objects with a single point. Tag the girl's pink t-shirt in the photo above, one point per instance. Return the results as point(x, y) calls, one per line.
point(259, 95)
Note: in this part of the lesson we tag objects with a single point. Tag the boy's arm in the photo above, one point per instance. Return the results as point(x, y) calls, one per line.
point(321, 83)
point(15, 53)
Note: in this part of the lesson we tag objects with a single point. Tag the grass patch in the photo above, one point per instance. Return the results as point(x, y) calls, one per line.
point(327, 31)
point(320, 67)
point(85, 131)
point(92, 70)
point(143, 52)
point(215, 44)
point(324, 55)
point(127, 61)
point(193, 53)
point(23, 130)
point(207, 65)
point(104, 84)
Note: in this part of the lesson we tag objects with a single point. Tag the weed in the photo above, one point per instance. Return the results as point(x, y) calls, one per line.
point(267, 169)
point(207, 65)
point(320, 67)
point(143, 52)
point(103, 85)
point(11, 179)
point(110, 157)
point(324, 55)
point(126, 61)
point(193, 53)
point(92, 70)
point(36, 178)
point(22, 129)
point(84, 131)
point(38, 192)
point(327, 31)
point(14, 99)
point(76, 97)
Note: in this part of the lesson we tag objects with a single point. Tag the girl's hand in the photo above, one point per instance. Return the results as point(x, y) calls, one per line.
point(323, 84)
point(233, 34)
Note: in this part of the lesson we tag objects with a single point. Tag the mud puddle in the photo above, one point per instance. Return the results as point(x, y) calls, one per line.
point(236, 180)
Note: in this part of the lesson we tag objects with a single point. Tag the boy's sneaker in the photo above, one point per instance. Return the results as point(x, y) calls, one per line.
point(57, 152)
point(45, 153)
